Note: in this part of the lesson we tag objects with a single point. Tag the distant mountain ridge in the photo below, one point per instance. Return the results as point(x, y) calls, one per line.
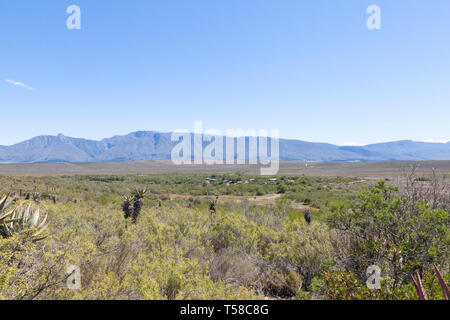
point(152, 145)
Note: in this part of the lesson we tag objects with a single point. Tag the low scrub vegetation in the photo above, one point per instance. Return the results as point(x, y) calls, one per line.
point(314, 240)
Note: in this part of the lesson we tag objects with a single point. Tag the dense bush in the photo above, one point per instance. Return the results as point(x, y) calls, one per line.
point(391, 230)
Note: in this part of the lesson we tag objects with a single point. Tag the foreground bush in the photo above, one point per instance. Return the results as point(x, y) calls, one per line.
point(389, 229)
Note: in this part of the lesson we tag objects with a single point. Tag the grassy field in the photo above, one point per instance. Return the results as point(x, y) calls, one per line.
point(225, 232)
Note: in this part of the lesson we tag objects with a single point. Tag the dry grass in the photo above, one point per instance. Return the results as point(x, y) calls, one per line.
point(370, 170)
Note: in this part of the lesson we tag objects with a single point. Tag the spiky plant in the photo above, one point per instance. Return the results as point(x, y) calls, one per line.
point(132, 205)
point(127, 207)
point(307, 215)
point(417, 281)
point(20, 219)
point(4, 204)
point(37, 197)
point(213, 205)
point(138, 203)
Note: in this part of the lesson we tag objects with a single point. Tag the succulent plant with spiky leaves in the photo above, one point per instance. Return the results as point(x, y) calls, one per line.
point(132, 205)
point(213, 205)
point(4, 203)
point(307, 215)
point(417, 281)
point(37, 197)
point(138, 203)
point(127, 207)
point(20, 219)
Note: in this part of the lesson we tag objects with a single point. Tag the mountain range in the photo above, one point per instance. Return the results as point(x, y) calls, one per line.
point(151, 145)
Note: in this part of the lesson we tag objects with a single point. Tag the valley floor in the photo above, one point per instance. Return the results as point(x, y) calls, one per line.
point(374, 170)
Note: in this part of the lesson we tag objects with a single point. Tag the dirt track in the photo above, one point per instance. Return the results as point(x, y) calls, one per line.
point(257, 200)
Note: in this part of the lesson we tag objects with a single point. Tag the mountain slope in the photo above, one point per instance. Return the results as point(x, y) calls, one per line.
point(141, 145)
point(150, 145)
point(51, 149)
point(411, 150)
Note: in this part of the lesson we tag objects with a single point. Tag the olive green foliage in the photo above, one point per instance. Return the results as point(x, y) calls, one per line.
point(386, 228)
point(341, 285)
point(177, 249)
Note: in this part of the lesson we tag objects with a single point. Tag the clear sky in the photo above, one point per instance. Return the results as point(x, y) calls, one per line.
point(310, 68)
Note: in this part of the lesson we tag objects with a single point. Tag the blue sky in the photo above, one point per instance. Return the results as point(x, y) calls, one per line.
point(309, 68)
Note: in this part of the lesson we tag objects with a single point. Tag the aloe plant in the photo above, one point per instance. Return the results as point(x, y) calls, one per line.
point(417, 281)
point(19, 219)
point(213, 206)
point(127, 207)
point(132, 205)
